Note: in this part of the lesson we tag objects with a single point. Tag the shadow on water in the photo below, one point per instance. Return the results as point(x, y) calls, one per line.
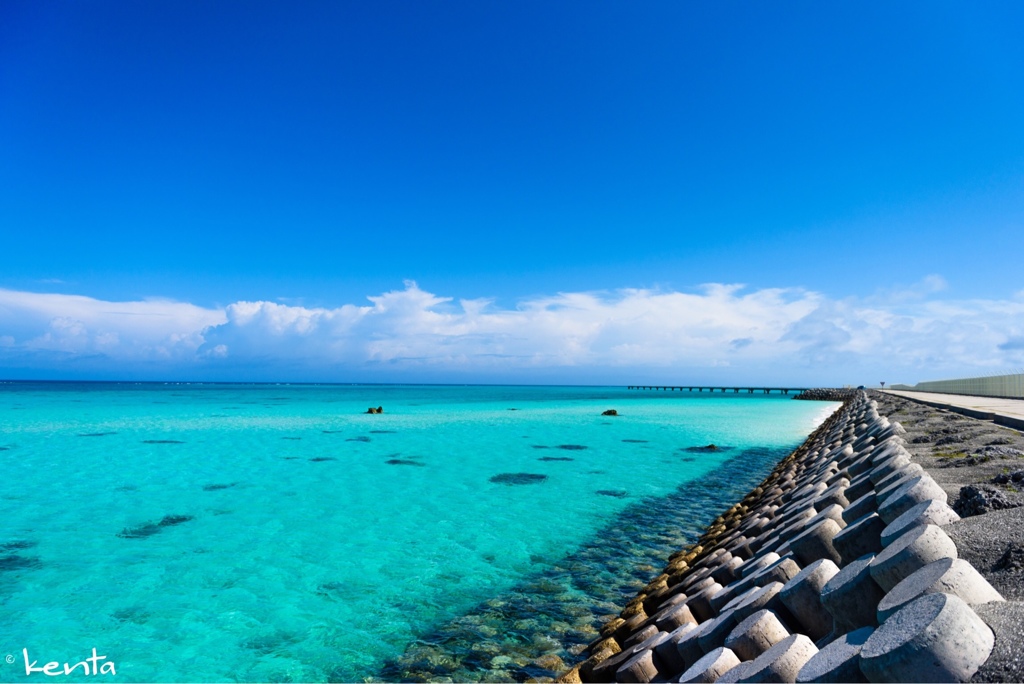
point(539, 627)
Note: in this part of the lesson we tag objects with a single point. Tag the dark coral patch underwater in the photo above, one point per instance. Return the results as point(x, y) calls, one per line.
point(707, 449)
point(518, 478)
point(14, 562)
point(404, 461)
point(149, 529)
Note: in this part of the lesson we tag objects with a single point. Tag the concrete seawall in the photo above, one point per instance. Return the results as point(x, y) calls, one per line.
point(845, 564)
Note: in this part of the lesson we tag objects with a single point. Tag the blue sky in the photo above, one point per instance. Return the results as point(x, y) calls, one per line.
point(866, 158)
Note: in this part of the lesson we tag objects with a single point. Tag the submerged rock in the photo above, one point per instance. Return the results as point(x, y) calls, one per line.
point(571, 447)
point(149, 529)
point(616, 493)
point(610, 412)
point(404, 461)
point(518, 478)
point(555, 458)
point(321, 459)
point(162, 441)
point(13, 562)
point(635, 441)
point(17, 545)
point(215, 487)
point(360, 438)
point(710, 448)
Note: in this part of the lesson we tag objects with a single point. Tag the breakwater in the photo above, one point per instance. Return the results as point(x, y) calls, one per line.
point(835, 568)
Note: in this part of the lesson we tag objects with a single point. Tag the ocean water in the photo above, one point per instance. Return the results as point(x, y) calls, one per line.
point(201, 532)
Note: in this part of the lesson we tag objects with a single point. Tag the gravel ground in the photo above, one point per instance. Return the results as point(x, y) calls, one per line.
point(974, 461)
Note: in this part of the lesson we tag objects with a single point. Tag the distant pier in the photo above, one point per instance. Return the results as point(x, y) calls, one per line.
point(719, 388)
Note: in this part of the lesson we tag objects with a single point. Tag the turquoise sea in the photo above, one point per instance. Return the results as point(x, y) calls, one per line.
point(211, 532)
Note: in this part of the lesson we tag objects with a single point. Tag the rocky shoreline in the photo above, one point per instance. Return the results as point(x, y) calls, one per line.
point(888, 547)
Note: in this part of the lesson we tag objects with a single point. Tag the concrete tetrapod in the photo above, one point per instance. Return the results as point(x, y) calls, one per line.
point(668, 650)
point(673, 617)
point(896, 479)
point(860, 487)
point(700, 603)
point(915, 549)
point(839, 661)
point(718, 629)
point(935, 638)
point(640, 668)
point(765, 597)
point(921, 488)
point(816, 542)
point(860, 507)
point(736, 674)
point(688, 646)
point(712, 666)
point(639, 636)
point(757, 563)
point(782, 662)
point(648, 643)
point(860, 538)
point(932, 512)
point(756, 634)
point(852, 597)
point(802, 596)
point(946, 575)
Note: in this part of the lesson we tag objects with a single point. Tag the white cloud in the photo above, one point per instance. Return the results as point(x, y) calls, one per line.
point(718, 333)
point(50, 326)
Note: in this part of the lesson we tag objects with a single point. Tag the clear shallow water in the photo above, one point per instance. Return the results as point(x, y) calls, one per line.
point(273, 533)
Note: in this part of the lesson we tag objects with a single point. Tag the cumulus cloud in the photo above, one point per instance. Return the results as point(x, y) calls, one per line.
point(47, 330)
point(717, 333)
